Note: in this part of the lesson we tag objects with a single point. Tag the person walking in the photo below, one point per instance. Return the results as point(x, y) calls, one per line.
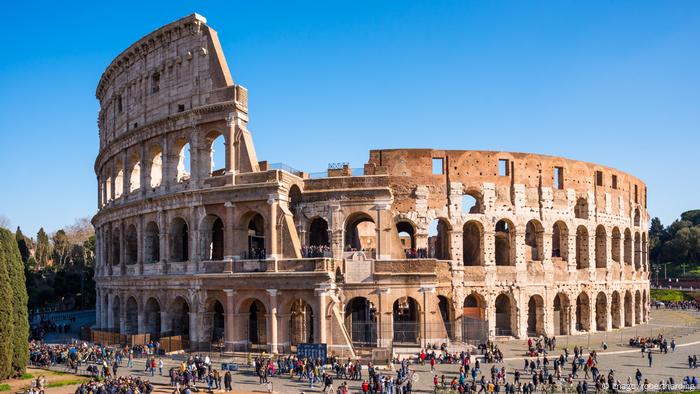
point(649, 357)
point(227, 381)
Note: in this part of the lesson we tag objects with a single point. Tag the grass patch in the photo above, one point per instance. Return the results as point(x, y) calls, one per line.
point(5, 387)
point(668, 295)
point(25, 376)
point(65, 382)
point(59, 373)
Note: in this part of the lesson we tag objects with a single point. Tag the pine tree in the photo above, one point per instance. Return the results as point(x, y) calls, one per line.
point(20, 319)
point(43, 249)
point(23, 245)
point(8, 248)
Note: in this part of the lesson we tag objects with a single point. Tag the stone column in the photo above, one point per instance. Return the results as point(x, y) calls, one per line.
point(229, 326)
point(98, 309)
point(426, 333)
point(456, 245)
point(229, 138)
point(383, 236)
point(272, 320)
point(122, 248)
point(228, 231)
point(385, 318)
point(272, 201)
point(194, 329)
point(141, 319)
point(126, 178)
point(110, 315)
point(166, 164)
point(322, 294)
point(139, 243)
point(163, 237)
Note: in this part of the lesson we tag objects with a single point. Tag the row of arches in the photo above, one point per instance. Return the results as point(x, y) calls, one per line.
point(135, 170)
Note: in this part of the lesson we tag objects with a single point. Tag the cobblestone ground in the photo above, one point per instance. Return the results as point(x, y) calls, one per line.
point(623, 359)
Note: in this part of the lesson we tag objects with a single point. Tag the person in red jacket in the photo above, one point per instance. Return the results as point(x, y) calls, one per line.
point(365, 386)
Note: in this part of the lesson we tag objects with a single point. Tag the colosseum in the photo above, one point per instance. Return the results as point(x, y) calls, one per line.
point(418, 247)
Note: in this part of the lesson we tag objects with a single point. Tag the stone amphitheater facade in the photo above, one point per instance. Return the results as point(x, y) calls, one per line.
point(424, 246)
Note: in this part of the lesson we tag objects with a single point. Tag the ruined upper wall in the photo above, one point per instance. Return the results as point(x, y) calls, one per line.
point(175, 69)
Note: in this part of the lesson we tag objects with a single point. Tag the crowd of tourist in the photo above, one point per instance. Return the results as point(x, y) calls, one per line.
point(314, 251)
point(46, 326)
point(692, 305)
point(256, 254)
point(120, 385)
point(413, 253)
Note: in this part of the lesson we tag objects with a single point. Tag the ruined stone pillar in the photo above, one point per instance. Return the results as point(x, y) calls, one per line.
point(456, 245)
point(322, 294)
point(383, 227)
point(139, 243)
point(229, 324)
point(272, 201)
point(272, 320)
point(385, 318)
point(229, 138)
point(228, 231)
point(194, 329)
point(163, 237)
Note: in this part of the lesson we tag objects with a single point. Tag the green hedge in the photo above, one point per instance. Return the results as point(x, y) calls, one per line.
point(669, 295)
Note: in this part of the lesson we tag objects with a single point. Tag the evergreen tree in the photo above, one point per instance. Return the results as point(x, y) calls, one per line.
point(23, 245)
point(8, 249)
point(43, 249)
point(20, 318)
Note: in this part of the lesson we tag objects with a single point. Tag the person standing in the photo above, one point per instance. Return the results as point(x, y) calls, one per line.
point(649, 357)
point(227, 381)
point(160, 366)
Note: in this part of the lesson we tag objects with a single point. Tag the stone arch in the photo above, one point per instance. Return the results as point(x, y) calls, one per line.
point(256, 236)
point(505, 242)
point(535, 316)
point(212, 238)
point(119, 180)
point(215, 152)
point(155, 164)
point(439, 239)
point(601, 247)
point(560, 240)
point(636, 217)
point(318, 232)
point(582, 247)
point(360, 232)
point(616, 243)
point(132, 247)
point(179, 311)
point(108, 189)
point(628, 309)
point(134, 173)
point(301, 322)
point(637, 307)
point(295, 199)
point(361, 322)
point(615, 310)
point(581, 208)
point(506, 319)
point(406, 314)
point(116, 247)
point(645, 306)
point(213, 322)
point(131, 325)
point(637, 252)
point(562, 308)
point(180, 240)
point(151, 318)
point(256, 322)
point(116, 314)
point(534, 240)
point(447, 315)
point(407, 236)
point(151, 251)
point(472, 202)
point(601, 312)
point(183, 160)
point(473, 243)
point(474, 306)
point(583, 312)
point(628, 247)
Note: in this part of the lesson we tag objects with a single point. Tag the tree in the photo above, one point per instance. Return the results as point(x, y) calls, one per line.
point(20, 320)
point(4, 221)
point(43, 248)
point(8, 249)
point(23, 245)
point(61, 247)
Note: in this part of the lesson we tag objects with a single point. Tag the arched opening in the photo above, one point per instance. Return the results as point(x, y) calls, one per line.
point(116, 247)
point(560, 241)
point(636, 217)
point(212, 238)
point(180, 237)
point(301, 323)
point(637, 252)
point(628, 309)
point(318, 232)
point(217, 154)
point(581, 208)
point(151, 250)
point(475, 327)
point(295, 201)
point(108, 189)
point(180, 318)
point(256, 237)
point(645, 304)
point(214, 323)
point(116, 314)
point(361, 322)
point(505, 242)
point(628, 247)
point(616, 238)
point(637, 307)
point(535, 316)
point(406, 321)
point(134, 173)
point(151, 318)
point(131, 325)
point(155, 173)
point(583, 312)
point(439, 239)
point(132, 249)
point(601, 246)
point(407, 238)
point(601, 312)
point(360, 233)
point(505, 319)
point(582, 247)
point(472, 243)
point(615, 310)
point(534, 240)
point(561, 314)
point(183, 170)
point(645, 253)
point(257, 328)
point(119, 180)
point(446, 315)
point(472, 203)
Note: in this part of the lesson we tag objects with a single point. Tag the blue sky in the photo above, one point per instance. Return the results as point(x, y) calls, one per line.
point(613, 82)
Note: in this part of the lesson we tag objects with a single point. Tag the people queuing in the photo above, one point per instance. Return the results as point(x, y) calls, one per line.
point(314, 251)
